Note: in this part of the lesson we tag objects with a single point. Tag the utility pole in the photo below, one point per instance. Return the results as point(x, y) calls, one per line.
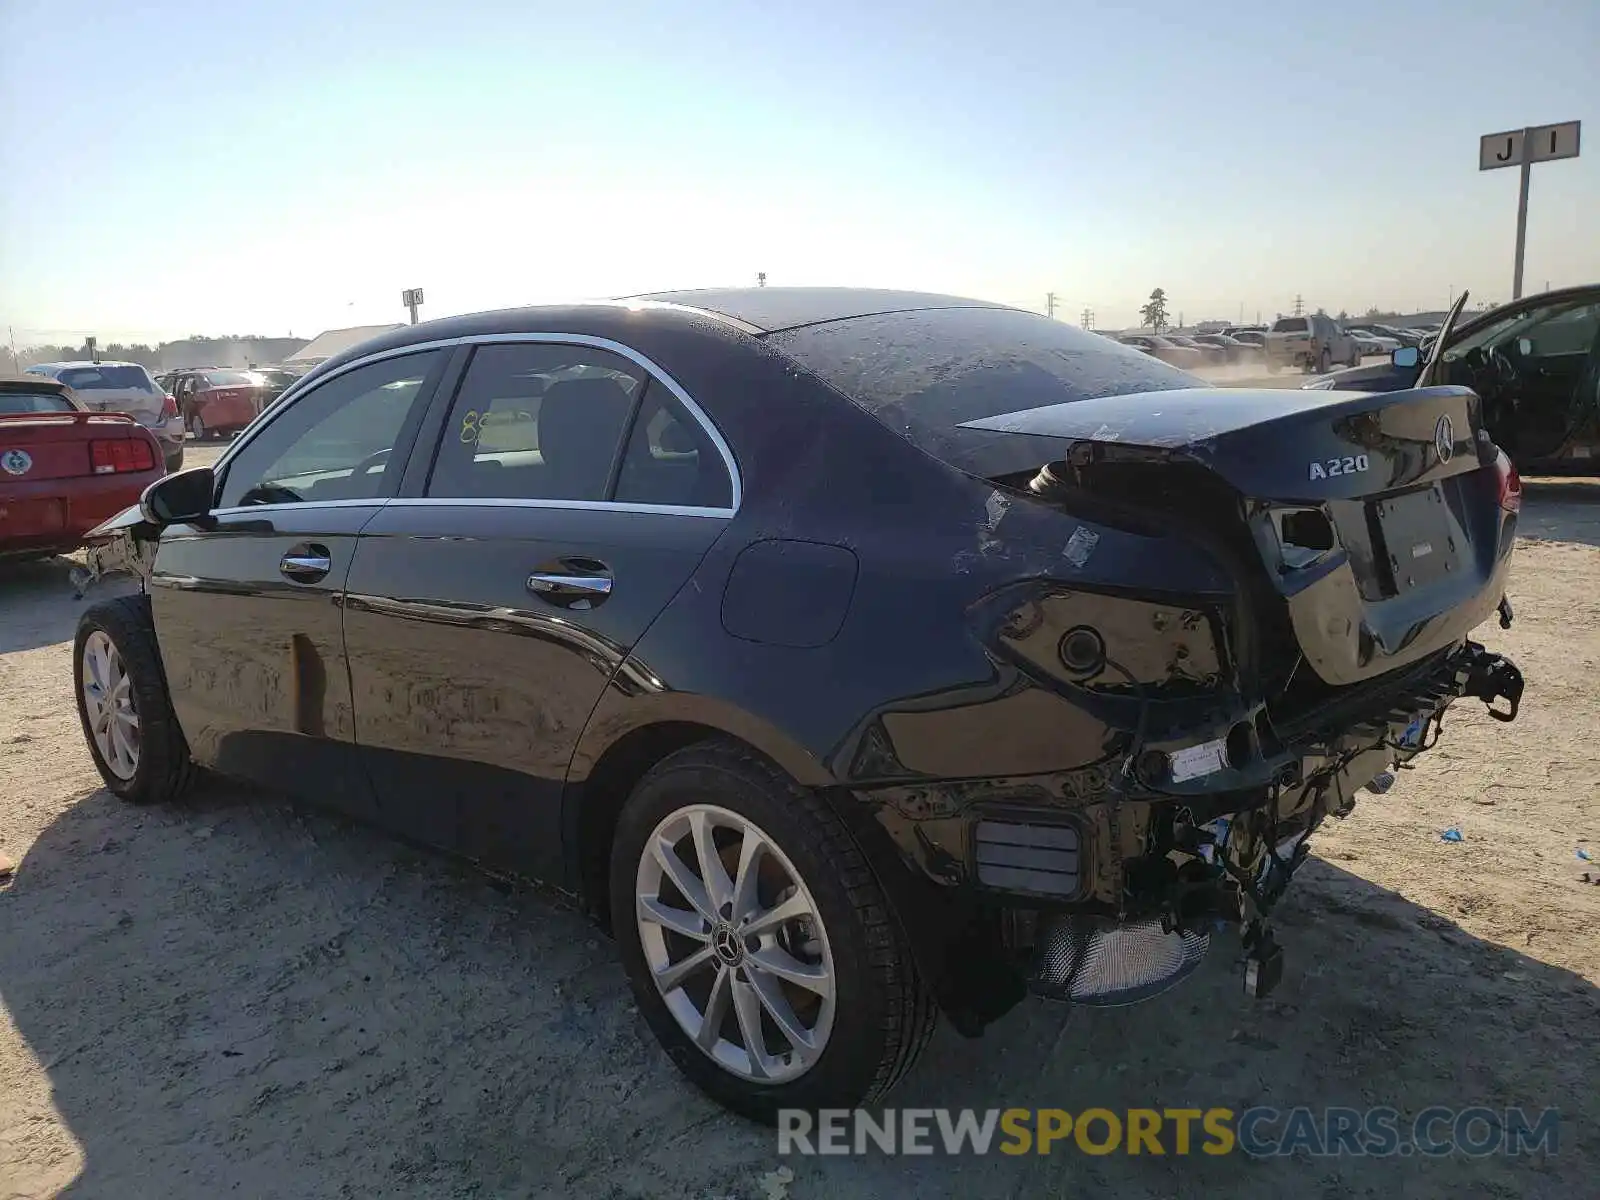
point(16, 363)
point(1087, 318)
point(1050, 305)
point(1299, 306)
point(761, 279)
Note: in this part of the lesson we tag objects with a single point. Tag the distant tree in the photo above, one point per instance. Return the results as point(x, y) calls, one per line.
point(1322, 312)
point(1343, 316)
point(1373, 314)
point(1154, 314)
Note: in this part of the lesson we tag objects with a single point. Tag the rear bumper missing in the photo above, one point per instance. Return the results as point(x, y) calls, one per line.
point(1017, 857)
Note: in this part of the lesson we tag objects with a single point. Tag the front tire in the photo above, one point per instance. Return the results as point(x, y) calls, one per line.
point(760, 946)
point(123, 704)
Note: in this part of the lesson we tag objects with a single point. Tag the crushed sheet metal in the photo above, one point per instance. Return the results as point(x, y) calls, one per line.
point(1080, 546)
point(1194, 761)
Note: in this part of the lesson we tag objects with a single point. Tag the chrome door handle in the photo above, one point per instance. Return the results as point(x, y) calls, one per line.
point(306, 564)
point(553, 583)
point(578, 582)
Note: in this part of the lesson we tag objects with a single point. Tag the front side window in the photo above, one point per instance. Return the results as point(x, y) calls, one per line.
point(336, 440)
point(536, 421)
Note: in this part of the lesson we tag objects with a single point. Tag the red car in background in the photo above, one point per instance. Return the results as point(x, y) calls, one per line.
point(63, 468)
point(215, 400)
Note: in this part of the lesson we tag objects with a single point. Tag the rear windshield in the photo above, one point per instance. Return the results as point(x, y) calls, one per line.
point(1289, 325)
point(15, 403)
point(924, 373)
point(229, 379)
point(105, 378)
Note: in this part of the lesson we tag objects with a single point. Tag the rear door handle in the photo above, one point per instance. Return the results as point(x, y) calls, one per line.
point(572, 582)
point(306, 563)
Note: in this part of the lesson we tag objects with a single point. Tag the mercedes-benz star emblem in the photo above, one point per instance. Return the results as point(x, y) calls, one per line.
point(727, 945)
point(1444, 439)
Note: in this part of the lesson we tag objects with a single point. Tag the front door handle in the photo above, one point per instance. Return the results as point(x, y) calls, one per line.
point(572, 582)
point(307, 563)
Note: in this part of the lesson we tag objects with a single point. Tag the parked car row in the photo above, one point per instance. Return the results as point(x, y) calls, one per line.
point(122, 387)
point(220, 401)
point(1314, 343)
point(1197, 350)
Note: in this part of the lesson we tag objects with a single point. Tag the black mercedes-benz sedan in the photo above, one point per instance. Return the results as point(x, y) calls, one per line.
point(852, 655)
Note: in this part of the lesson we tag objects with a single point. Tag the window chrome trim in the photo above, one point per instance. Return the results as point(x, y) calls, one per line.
point(238, 510)
point(656, 373)
point(671, 510)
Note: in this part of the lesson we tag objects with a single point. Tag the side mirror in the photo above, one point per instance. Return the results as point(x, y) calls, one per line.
point(180, 498)
point(1406, 356)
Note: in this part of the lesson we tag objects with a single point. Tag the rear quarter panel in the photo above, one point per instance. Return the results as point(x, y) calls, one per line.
point(905, 661)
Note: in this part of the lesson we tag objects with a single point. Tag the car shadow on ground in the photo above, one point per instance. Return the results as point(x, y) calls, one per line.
point(1561, 510)
point(235, 996)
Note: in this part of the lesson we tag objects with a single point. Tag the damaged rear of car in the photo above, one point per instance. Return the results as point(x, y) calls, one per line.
point(1244, 607)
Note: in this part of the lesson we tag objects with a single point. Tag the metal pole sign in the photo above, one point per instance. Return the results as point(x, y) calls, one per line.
point(1522, 148)
point(412, 299)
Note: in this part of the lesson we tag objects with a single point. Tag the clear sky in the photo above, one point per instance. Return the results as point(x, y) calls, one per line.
point(229, 166)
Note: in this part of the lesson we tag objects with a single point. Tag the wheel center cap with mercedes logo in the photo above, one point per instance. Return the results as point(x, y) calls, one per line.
point(16, 462)
point(1444, 439)
point(727, 944)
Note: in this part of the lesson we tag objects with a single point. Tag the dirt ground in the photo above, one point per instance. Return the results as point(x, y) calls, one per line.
point(237, 997)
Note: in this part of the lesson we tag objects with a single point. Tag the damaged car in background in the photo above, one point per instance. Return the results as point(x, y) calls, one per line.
point(853, 656)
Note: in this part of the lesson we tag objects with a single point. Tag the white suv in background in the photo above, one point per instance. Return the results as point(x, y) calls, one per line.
point(1314, 342)
point(123, 387)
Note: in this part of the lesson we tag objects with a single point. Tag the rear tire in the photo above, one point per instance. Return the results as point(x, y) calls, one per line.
point(123, 703)
point(197, 426)
point(871, 1013)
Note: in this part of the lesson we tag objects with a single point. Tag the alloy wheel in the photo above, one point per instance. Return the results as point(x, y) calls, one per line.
point(108, 700)
point(735, 944)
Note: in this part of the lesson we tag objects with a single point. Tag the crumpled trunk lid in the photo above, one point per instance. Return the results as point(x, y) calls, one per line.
point(1375, 517)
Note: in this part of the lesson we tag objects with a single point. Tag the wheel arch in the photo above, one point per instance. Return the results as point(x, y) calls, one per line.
point(622, 742)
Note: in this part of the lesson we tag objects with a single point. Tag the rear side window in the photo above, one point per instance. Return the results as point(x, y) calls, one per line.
point(671, 459)
point(1289, 325)
point(16, 403)
point(537, 421)
point(924, 373)
point(104, 378)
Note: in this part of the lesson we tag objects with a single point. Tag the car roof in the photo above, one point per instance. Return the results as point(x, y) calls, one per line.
point(732, 311)
point(90, 363)
point(22, 383)
point(772, 309)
